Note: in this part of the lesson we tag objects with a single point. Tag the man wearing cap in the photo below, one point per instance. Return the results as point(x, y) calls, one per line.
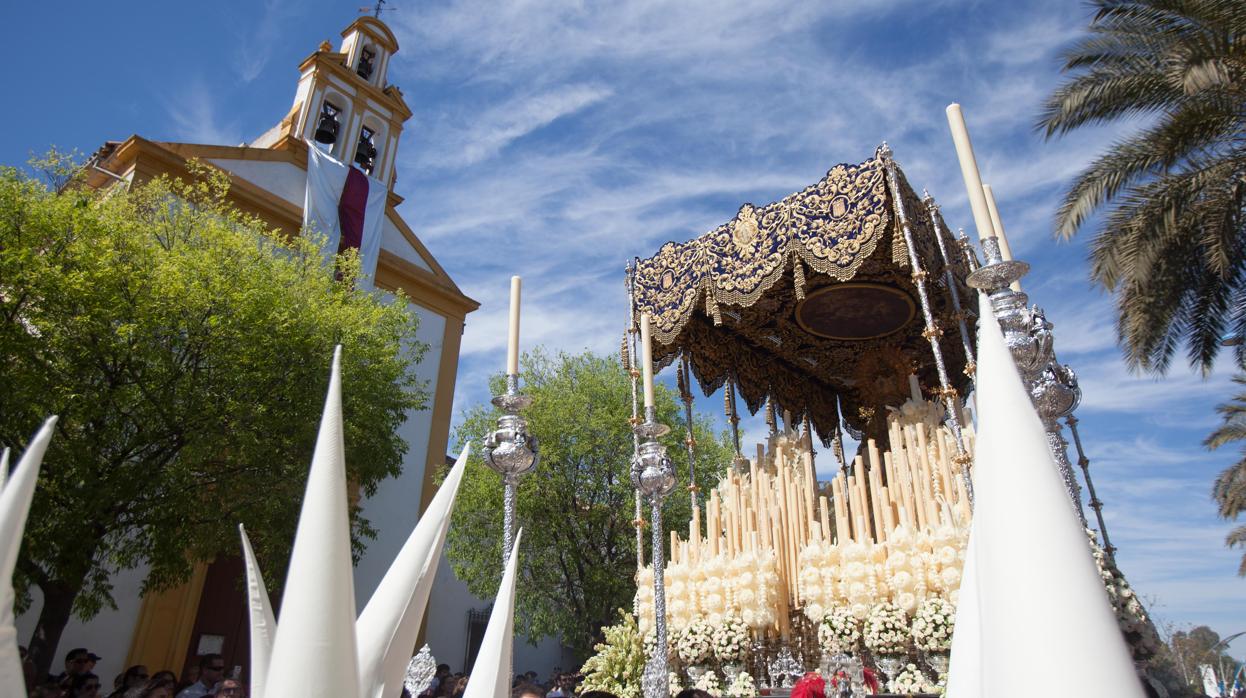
point(78, 661)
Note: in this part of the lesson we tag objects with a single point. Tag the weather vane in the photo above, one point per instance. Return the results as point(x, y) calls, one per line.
point(378, 8)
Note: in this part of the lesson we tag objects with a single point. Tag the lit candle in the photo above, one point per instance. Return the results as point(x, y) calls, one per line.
point(969, 170)
point(646, 358)
point(512, 340)
point(1004, 250)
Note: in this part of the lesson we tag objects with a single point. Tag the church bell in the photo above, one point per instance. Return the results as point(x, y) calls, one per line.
point(326, 127)
point(365, 64)
point(365, 154)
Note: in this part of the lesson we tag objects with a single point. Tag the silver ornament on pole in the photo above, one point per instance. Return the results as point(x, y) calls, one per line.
point(420, 672)
point(653, 476)
point(1027, 333)
point(511, 451)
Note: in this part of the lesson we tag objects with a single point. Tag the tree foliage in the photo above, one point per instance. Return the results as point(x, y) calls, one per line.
point(1229, 490)
point(1197, 647)
point(1172, 248)
point(578, 558)
point(185, 347)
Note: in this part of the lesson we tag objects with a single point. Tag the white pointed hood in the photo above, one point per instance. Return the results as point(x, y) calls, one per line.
point(15, 501)
point(964, 678)
point(314, 650)
point(388, 626)
point(260, 612)
point(1040, 598)
point(491, 674)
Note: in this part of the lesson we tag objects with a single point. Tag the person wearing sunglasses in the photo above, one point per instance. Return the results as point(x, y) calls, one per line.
point(211, 671)
point(84, 686)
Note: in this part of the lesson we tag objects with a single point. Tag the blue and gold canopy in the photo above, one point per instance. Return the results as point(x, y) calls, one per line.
point(808, 300)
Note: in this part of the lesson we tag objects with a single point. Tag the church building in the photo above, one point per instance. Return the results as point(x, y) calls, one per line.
point(335, 149)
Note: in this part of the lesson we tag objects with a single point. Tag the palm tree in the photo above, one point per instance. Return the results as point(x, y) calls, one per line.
point(1230, 488)
point(1171, 249)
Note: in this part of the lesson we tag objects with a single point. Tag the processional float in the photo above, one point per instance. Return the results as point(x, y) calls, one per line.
point(846, 308)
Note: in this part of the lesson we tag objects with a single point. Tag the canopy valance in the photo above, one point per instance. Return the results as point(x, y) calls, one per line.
point(809, 300)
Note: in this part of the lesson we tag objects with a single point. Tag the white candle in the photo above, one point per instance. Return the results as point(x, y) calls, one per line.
point(915, 388)
point(969, 171)
point(646, 358)
point(1005, 251)
point(512, 340)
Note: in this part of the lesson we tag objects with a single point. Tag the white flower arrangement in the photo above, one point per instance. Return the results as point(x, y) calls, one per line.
point(933, 624)
point(709, 683)
point(887, 629)
point(673, 684)
point(1140, 633)
point(731, 640)
point(839, 631)
point(696, 643)
point(911, 680)
point(742, 686)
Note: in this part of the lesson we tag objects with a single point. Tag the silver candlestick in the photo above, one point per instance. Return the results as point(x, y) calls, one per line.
point(511, 451)
point(653, 475)
point(1028, 335)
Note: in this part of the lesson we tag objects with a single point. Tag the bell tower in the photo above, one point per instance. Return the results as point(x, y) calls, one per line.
point(344, 104)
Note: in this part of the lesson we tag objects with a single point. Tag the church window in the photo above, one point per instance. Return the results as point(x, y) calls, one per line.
point(327, 126)
point(365, 154)
point(367, 59)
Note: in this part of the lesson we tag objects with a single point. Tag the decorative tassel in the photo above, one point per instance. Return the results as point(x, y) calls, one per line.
point(625, 355)
point(711, 307)
point(798, 275)
point(681, 382)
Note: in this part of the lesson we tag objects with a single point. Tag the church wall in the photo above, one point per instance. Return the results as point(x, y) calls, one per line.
point(395, 508)
point(285, 179)
point(393, 240)
point(107, 635)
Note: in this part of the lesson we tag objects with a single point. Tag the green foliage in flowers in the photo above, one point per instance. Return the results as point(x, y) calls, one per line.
point(619, 663)
point(186, 348)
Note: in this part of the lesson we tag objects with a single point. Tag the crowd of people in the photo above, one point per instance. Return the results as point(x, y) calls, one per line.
point(78, 680)
point(452, 685)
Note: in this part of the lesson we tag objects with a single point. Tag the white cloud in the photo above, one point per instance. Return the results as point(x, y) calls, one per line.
point(558, 139)
point(259, 36)
point(467, 141)
point(197, 118)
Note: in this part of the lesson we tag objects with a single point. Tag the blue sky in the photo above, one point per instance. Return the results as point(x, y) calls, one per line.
point(559, 139)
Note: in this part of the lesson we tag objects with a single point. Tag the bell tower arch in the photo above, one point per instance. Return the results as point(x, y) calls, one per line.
point(344, 103)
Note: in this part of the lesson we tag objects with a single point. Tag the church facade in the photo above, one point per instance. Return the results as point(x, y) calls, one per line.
point(344, 108)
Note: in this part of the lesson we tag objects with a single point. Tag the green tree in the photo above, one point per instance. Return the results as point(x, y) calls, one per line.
point(1201, 646)
point(185, 347)
point(1229, 490)
point(578, 559)
point(1171, 250)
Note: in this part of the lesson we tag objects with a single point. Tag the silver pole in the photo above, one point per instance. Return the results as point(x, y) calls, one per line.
point(932, 331)
point(653, 474)
point(1095, 502)
point(630, 338)
point(933, 209)
point(690, 442)
point(512, 452)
